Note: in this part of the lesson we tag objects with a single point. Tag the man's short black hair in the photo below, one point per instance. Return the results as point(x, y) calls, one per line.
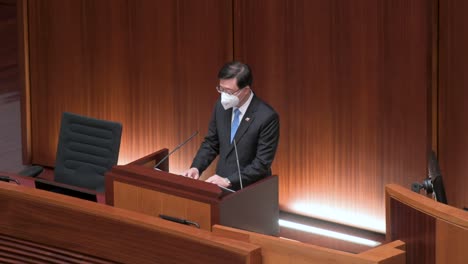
point(237, 70)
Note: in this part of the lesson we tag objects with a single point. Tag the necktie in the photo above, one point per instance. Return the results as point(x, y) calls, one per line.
point(235, 123)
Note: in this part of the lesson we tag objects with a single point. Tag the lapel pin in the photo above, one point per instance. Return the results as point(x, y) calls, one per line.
point(247, 119)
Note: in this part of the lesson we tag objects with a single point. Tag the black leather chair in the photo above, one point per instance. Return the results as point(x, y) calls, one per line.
point(87, 149)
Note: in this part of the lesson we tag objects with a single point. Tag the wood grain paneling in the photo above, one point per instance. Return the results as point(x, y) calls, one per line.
point(14, 250)
point(452, 240)
point(150, 65)
point(416, 229)
point(351, 82)
point(453, 95)
point(154, 203)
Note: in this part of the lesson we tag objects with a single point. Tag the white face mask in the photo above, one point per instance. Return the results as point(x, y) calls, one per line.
point(229, 100)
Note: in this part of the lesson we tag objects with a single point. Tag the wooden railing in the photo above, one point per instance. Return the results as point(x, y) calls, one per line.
point(434, 233)
point(49, 227)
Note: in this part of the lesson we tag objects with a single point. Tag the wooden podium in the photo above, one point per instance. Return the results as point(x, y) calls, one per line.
point(138, 187)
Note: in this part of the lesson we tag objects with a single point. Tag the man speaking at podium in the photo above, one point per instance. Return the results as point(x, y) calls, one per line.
point(243, 131)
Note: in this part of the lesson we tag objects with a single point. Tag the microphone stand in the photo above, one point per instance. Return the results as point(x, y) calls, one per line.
point(174, 150)
point(238, 166)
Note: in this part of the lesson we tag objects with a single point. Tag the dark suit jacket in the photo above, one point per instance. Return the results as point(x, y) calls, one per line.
point(257, 140)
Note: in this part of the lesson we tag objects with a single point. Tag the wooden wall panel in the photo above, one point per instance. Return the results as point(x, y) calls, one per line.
point(151, 65)
point(416, 229)
point(9, 90)
point(452, 242)
point(453, 95)
point(351, 82)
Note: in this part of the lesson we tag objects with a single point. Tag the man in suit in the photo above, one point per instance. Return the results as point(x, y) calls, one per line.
point(242, 118)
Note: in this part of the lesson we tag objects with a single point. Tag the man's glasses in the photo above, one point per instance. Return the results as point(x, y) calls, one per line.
point(222, 90)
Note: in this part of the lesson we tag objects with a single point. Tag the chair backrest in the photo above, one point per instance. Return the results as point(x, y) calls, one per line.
point(87, 149)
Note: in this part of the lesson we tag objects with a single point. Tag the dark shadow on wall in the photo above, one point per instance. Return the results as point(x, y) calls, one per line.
point(10, 106)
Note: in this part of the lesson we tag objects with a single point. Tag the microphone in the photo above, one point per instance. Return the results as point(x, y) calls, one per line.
point(433, 166)
point(238, 166)
point(176, 148)
point(436, 178)
point(179, 220)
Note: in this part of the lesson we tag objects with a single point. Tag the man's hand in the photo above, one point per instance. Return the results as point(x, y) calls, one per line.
point(218, 180)
point(192, 173)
